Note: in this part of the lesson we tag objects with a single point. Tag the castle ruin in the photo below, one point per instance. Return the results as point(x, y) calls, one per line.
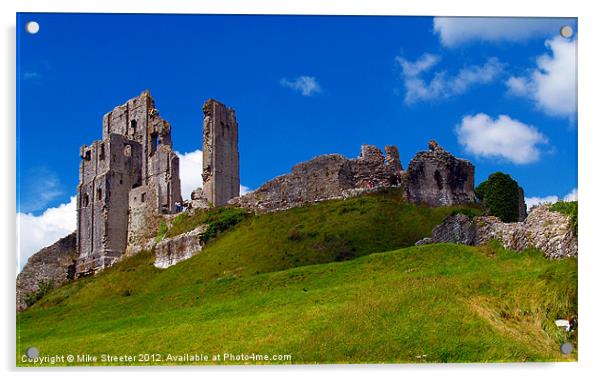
point(129, 183)
point(221, 172)
point(126, 179)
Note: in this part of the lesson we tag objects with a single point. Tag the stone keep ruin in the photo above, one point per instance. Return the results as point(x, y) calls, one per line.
point(126, 180)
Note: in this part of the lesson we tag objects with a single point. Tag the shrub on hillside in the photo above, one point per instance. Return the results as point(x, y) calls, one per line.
point(499, 195)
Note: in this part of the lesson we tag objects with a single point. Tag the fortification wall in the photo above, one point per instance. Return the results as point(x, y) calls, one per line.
point(325, 177)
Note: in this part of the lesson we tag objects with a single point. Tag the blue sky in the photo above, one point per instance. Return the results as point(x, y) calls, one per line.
point(499, 92)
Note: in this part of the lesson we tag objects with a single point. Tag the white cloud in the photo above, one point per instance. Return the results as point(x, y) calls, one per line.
point(553, 84)
point(245, 190)
point(36, 232)
point(442, 85)
point(453, 31)
point(503, 138)
point(572, 196)
point(191, 170)
point(534, 201)
point(305, 84)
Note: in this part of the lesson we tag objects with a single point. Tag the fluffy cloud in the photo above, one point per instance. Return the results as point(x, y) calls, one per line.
point(306, 85)
point(442, 85)
point(534, 201)
point(572, 196)
point(36, 232)
point(552, 85)
point(191, 169)
point(503, 138)
point(453, 31)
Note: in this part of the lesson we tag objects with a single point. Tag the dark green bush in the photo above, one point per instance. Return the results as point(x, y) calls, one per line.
point(499, 196)
point(220, 220)
point(567, 208)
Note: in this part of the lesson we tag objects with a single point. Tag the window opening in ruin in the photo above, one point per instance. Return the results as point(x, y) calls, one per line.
point(87, 155)
point(127, 150)
point(99, 194)
point(133, 125)
point(143, 197)
point(154, 138)
point(86, 200)
point(102, 151)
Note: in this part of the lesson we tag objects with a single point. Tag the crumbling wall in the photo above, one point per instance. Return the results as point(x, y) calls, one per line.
point(327, 177)
point(437, 178)
point(548, 231)
point(221, 172)
point(54, 263)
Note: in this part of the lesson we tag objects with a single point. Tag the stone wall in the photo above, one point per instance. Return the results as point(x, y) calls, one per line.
point(325, 177)
point(548, 231)
point(54, 263)
point(437, 178)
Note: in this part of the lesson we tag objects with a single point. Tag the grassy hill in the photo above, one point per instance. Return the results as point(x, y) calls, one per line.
point(308, 283)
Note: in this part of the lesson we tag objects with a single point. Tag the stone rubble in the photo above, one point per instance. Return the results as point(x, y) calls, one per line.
point(548, 231)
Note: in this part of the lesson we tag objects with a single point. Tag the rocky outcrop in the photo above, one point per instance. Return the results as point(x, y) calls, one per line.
point(548, 231)
point(179, 248)
point(53, 264)
point(437, 178)
point(325, 177)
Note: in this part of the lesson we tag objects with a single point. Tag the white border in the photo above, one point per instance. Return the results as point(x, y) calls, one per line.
point(590, 315)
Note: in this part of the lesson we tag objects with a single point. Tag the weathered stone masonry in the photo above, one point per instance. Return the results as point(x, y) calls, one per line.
point(128, 177)
point(221, 173)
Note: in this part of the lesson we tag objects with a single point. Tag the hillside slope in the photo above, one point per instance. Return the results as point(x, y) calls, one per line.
point(248, 292)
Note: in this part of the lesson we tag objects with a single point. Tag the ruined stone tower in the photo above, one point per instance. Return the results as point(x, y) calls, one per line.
point(221, 175)
point(126, 179)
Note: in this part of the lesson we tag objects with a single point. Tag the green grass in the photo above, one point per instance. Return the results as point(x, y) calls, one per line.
point(272, 285)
